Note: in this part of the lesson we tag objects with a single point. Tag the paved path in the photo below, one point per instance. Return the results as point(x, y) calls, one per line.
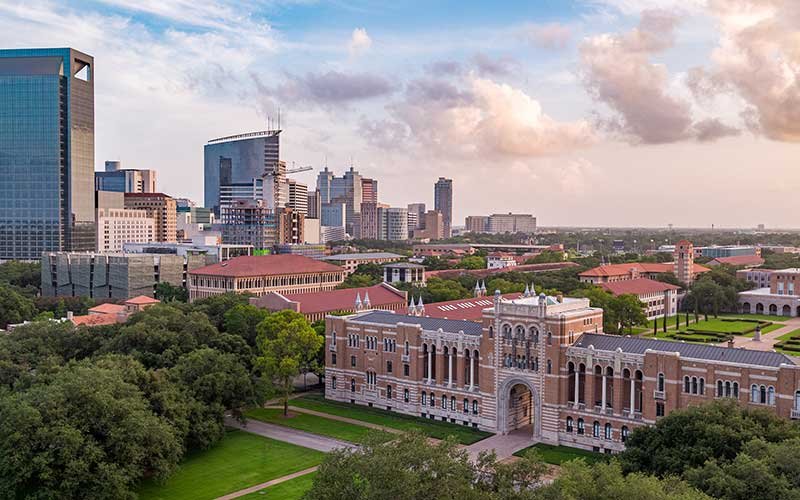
point(348, 420)
point(259, 487)
point(289, 435)
point(768, 340)
point(504, 445)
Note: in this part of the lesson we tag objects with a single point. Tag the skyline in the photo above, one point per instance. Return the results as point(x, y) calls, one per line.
point(569, 98)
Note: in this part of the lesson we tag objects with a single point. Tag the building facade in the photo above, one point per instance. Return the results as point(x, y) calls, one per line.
point(261, 274)
point(115, 276)
point(759, 277)
point(161, 208)
point(432, 226)
point(419, 210)
point(392, 224)
point(121, 180)
point(540, 365)
point(116, 227)
point(443, 203)
point(369, 190)
point(780, 298)
point(351, 261)
point(476, 224)
point(511, 223)
point(659, 298)
point(347, 189)
point(404, 272)
point(249, 222)
point(46, 152)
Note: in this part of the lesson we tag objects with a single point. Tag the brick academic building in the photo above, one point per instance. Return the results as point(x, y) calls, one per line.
point(541, 365)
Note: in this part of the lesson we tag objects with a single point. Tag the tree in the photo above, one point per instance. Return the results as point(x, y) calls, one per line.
point(216, 306)
point(473, 262)
point(166, 292)
point(689, 437)
point(242, 320)
point(600, 298)
point(81, 433)
point(26, 276)
point(14, 307)
point(365, 275)
point(286, 346)
point(627, 310)
point(545, 257)
point(670, 278)
point(504, 285)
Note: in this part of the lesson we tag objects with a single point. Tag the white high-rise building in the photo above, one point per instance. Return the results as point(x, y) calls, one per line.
point(117, 226)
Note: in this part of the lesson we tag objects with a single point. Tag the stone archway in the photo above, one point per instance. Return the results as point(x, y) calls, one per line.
point(519, 407)
point(746, 308)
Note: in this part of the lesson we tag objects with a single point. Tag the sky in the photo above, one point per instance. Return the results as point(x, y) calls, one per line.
point(582, 112)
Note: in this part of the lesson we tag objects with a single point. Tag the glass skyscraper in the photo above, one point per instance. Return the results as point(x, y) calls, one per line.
point(46, 152)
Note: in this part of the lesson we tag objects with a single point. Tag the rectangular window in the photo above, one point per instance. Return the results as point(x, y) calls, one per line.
point(406, 370)
point(659, 409)
point(333, 358)
point(352, 361)
point(388, 367)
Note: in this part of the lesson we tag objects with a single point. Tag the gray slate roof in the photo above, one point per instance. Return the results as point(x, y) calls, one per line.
point(407, 265)
point(447, 325)
point(636, 345)
point(364, 255)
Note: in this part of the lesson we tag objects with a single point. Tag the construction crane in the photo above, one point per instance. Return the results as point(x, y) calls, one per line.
point(296, 170)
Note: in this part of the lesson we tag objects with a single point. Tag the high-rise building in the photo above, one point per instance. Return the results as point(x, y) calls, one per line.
point(369, 224)
point(413, 222)
point(239, 159)
point(298, 196)
point(443, 202)
point(314, 204)
point(46, 152)
point(419, 210)
point(511, 223)
point(334, 214)
point(346, 189)
point(161, 208)
point(369, 190)
point(116, 227)
point(249, 222)
point(290, 227)
point(476, 224)
point(125, 180)
point(392, 223)
point(433, 226)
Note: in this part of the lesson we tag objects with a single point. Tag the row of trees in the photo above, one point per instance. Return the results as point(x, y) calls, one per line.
point(89, 412)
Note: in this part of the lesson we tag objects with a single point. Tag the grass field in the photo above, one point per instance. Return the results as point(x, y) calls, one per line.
point(432, 428)
point(293, 489)
point(557, 455)
point(713, 330)
point(317, 425)
point(760, 317)
point(240, 460)
point(766, 329)
point(787, 336)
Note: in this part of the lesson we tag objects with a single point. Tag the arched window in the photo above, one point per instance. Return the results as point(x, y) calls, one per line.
point(352, 385)
point(534, 334)
point(754, 393)
point(661, 382)
point(453, 403)
point(763, 395)
point(536, 364)
point(771, 395)
point(596, 429)
point(388, 392)
point(702, 386)
point(333, 382)
point(474, 406)
point(736, 390)
point(549, 338)
point(581, 429)
point(405, 395)
point(569, 424)
point(444, 402)
point(466, 405)
point(624, 433)
point(506, 332)
point(720, 390)
point(424, 398)
point(433, 400)
point(519, 333)
point(549, 366)
point(607, 431)
point(686, 385)
point(406, 348)
point(796, 400)
point(491, 332)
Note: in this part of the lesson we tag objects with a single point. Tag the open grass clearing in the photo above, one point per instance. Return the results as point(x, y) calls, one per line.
point(317, 425)
point(293, 489)
point(432, 428)
point(240, 460)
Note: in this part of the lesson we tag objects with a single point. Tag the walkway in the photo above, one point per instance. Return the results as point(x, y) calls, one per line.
point(768, 340)
point(353, 421)
point(259, 487)
point(504, 445)
point(289, 435)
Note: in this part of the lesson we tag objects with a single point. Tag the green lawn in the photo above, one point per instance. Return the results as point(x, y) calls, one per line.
point(240, 460)
point(766, 329)
point(760, 317)
point(787, 336)
point(293, 489)
point(557, 455)
point(432, 428)
point(312, 423)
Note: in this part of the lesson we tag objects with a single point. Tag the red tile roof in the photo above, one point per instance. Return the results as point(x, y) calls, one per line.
point(642, 267)
point(142, 300)
point(465, 309)
point(739, 260)
point(338, 300)
point(107, 308)
point(266, 265)
point(94, 319)
point(639, 286)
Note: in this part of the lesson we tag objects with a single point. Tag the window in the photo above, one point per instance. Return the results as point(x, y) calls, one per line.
point(624, 433)
point(405, 395)
point(372, 379)
point(333, 382)
point(549, 338)
point(453, 403)
point(388, 392)
point(406, 370)
point(424, 399)
point(474, 406)
point(466, 405)
point(433, 400)
point(333, 358)
point(720, 392)
point(661, 382)
point(352, 385)
point(608, 432)
point(581, 430)
point(406, 348)
point(763, 395)
point(491, 332)
point(534, 335)
point(549, 366)
point(686, 385)
point(702, 386)
point(444, 402)
point(694, 385)
point(659, 409)
point(754, 393)
point(569, 424)
point(771, 396)
point(596, 429)
point(352, 361)
point(736, 390)
point(388, 367)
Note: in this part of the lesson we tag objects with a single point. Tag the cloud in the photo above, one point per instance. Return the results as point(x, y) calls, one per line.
point(480, 119)
point(444, 68)
point(360, 42)
point(489, 66)
point(553, 36)
point(617, 72)
point(332, 88)
point(759, 59)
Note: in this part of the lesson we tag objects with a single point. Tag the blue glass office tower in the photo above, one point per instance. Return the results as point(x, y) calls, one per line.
point(46, 152)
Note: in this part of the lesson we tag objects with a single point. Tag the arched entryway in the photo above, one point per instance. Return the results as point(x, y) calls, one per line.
point(787, 311)
point(773, 310)
point(759, 308)
point(519, 408)
point(746, 308)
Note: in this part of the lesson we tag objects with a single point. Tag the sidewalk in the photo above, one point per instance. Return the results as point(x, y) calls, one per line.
point(348, 420)
point(259, 487)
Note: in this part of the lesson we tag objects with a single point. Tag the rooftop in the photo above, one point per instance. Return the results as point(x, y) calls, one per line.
point(343, 300)
point(362, 256)
point(638, 286)
point(406, 265)
point(637, 345)
point(266, 265)
point(142, 300)
point(642, 267)
point(464, 309)
point(107, 308)
point(430, 324)
point(739, 260)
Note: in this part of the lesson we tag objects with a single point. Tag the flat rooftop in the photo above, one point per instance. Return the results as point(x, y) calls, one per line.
point(430, 324)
